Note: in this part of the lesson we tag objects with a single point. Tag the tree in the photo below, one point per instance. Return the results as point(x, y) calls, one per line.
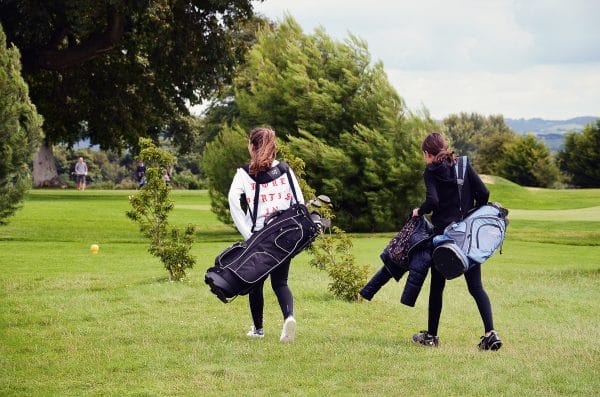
point(339, 114)
point(150, 208)
point(581, 155)
point(483, 139)
point(20, 131)
point(113, 71)
point(462, 130)
point(528, 161)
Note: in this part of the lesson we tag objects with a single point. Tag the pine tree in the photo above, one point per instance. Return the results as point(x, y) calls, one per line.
point(337, 111)
point(20, 131)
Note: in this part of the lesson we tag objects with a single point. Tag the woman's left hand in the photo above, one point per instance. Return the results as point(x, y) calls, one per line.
point(415, 212)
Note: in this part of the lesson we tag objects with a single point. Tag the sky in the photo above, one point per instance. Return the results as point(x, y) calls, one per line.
point(518, 58)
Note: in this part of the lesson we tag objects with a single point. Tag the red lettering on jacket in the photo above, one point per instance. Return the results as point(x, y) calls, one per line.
point(269, 211)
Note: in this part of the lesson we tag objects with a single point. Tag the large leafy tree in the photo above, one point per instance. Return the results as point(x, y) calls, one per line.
point(528, 161)
point(113, 71)
point(463, 130)
point(491, 149)
point(20, 131)
point(482, 138)
point(581, 155)
point(338, 112)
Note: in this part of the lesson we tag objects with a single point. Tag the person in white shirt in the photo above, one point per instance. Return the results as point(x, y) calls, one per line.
point(81, 171)
point(273, 196)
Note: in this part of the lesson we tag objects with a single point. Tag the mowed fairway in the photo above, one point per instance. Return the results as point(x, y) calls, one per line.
point(73, 323)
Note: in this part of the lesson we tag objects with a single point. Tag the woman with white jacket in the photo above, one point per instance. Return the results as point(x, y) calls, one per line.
point(273, 196)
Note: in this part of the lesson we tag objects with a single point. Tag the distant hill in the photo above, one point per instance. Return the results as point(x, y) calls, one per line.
point(541, 126)
point(550, 131)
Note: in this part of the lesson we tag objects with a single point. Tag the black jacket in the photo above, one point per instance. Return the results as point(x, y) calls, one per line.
point(442, 198)
point(419, 261)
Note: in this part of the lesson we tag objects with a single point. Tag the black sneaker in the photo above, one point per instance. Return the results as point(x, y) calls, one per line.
point(491, 342)
point(426, 339)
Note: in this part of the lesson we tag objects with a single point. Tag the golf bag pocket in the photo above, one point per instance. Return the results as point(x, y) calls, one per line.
point(449, 260)
point(471, 241)
point(239, 267)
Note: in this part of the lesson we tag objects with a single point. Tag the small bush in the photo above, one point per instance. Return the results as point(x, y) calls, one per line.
point(333, 253)
point(150, 208)
point(187, 180)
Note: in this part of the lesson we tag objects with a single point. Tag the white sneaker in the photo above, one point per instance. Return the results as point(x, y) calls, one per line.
point(255, 333)
point(289, 330)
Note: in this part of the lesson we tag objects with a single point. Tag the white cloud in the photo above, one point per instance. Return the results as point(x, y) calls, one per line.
point(520, 58)
point(539, 91)
point(563, 32)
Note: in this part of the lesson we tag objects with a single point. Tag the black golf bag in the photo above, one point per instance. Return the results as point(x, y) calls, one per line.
point(285, 234)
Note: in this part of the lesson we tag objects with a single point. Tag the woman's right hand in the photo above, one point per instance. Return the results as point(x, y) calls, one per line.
point(415, 212)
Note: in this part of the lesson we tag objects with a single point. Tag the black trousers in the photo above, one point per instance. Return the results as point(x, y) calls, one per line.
point(473, 278)
point(279, 279)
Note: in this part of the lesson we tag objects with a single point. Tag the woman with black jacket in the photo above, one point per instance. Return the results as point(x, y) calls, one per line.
point(447, 205)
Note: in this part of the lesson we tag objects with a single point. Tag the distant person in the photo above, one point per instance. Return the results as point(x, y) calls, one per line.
point(167, 177)
point(81, 171)
point(275, 195)
point(140, 174)
point(447, 205)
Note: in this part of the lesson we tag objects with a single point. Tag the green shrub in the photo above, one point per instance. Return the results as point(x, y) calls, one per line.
point(332, 252)
point(151, 206)
point(187, 180)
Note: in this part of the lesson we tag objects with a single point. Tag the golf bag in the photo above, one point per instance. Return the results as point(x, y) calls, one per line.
point(285, 234)
point(471, 241)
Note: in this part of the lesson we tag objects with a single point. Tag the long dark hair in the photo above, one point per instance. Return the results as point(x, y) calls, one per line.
point(262, 149)
point(436, 145)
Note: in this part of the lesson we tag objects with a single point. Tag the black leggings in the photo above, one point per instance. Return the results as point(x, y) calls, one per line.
point(473, 278)
point(279, 278)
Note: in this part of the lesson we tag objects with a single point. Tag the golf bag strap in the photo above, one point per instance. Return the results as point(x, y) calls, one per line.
point(460, 168)
point(291, 182)
point(255, 212)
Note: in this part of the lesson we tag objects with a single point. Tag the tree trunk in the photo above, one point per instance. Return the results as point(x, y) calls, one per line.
point(44, 168)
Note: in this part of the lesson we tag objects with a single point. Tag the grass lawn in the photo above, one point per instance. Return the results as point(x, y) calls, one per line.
point(73, 323)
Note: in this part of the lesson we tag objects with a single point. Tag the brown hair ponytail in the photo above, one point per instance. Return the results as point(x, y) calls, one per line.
point(262, 149)
point(436, 145)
